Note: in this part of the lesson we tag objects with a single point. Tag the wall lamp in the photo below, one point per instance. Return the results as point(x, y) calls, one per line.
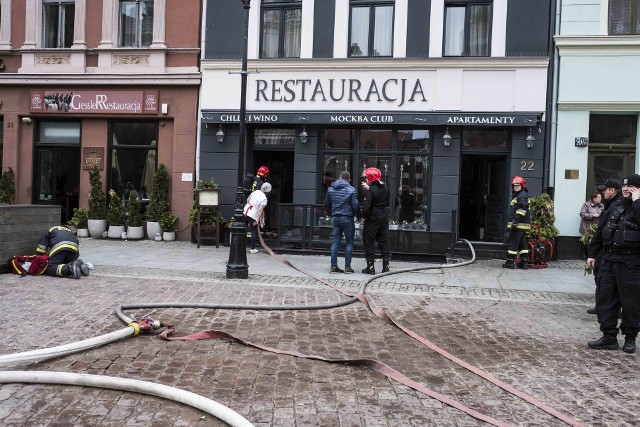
point(446, 138)
point(531, 140)
point(220, 135)
point(27, 120)
point(304, 136)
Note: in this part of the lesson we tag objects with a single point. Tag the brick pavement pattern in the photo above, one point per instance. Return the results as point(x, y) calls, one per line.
point(535, 341)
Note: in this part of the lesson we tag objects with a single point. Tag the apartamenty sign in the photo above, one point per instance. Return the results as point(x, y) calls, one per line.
point(94, 101)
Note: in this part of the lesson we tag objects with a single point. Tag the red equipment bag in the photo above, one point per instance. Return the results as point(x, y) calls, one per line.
point(29, 264)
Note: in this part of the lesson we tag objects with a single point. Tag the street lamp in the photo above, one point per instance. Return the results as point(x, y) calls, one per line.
point(237, 267)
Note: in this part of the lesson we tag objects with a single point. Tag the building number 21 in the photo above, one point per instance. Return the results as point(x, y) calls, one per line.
point(526, 165)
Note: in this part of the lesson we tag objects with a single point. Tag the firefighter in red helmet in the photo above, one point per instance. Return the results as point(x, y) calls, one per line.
point(375, 211)
point(518, 223)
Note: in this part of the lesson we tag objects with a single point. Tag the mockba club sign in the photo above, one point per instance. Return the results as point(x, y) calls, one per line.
point(94, 102)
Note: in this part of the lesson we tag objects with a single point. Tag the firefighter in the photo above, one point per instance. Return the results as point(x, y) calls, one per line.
point(375, 211)
point(62, 246)
point(519, 222)
point(619, 272)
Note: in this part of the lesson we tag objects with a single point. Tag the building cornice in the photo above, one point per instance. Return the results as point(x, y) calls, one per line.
point(598, 106)
point(598, 45)
point(188, 79)
point(430, 64)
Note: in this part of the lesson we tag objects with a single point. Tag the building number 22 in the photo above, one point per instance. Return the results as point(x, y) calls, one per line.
point(526, 165)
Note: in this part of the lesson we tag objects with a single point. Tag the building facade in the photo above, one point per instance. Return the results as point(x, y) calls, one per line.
point(446, 98)
point(598, 101)
point(109, 83)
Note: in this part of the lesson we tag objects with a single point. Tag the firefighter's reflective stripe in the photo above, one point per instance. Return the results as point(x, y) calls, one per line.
point(510, 252)
point(70, 246)
point(521, 212)
point(59, 270)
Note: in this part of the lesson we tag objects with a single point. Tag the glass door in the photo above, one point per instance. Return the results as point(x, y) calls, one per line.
point(57, 178)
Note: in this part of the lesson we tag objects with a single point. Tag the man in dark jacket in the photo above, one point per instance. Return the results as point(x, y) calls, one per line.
point(62, 246)
point(375, 211)
point(618, 236)
point(342, 200)
point(519, 222)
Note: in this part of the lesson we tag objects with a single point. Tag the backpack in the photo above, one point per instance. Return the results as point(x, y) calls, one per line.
point(29, 264)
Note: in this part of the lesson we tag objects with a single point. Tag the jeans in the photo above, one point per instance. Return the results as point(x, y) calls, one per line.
point(342, 224)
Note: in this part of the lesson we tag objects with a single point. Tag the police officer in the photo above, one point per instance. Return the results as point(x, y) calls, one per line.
point(619, 272)
point(375, 211)
point(62, 247)
point(519, 222)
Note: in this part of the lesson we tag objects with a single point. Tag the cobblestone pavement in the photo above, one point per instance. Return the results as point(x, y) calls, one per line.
point(531, 339)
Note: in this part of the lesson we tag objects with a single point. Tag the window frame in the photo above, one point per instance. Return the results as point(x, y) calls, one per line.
point(138, 41)
point(61, 34)
point(467, 19)
point(372, 4)
point(634, 19)
point(282, 6)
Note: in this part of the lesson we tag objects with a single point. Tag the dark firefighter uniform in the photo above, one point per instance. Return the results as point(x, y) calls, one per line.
point(619, 272)
point(375, 211)
point(62, 247)
point(518, 223)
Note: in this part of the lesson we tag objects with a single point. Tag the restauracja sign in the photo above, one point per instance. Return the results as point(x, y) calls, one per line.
point(352, 90)
point(89, 101)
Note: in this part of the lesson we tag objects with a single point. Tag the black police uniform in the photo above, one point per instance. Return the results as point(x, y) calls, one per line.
point(375, 211)
point(519, 222)
point(62, 247)
point(619, 274)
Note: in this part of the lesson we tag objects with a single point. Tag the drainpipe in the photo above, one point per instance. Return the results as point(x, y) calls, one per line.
point(549, 177)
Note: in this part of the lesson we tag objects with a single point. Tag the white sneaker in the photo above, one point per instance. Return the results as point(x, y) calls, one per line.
point(253, 251)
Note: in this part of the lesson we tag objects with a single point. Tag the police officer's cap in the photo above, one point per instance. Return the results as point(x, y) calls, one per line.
point(633, 180)
point(610, 183)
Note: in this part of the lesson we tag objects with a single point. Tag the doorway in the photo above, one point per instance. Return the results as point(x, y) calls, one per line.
point(483, 197)
point(280, 164)
point(57, 178)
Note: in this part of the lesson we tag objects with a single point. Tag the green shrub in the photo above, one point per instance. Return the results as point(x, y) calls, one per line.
point(80, 218)
point(115, 215)
point(159, 197)
point(97, 198)
point(8, 187)
point(168, 221)
point(134, 219)
point(541, 208)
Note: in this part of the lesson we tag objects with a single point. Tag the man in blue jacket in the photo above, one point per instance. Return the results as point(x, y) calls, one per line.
point(342, 200)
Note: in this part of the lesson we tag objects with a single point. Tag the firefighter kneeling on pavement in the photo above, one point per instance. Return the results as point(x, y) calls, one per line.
point(62, 246)
point(618, 235)
point(519, 222)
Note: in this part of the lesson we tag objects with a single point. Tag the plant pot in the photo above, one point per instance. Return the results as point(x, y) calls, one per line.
point(153, 228)
point(393, 226)
point(82, 232)
point(135, 233)
point(169, 235)
point(115, 231)
point(97, 227)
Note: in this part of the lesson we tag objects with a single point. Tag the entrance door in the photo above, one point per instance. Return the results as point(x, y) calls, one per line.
point(280, 164)
point(483, 197)
point(57, 178)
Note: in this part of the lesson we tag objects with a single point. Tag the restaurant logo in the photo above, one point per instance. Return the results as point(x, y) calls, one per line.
point(94, 102)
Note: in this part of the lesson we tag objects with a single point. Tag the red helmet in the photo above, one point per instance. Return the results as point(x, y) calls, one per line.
point(263, 171)
point(372, 174)
point(519, 180)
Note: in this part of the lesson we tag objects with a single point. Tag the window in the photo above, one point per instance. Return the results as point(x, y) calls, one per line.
point(57, 23)
point(624, 17)
point(1, 140)
point(612, 129)
point(136, 23)
point(467, 29)
point(274, 136)
point(133, 156)
point(59, 133)
point(371, 29)
point(281, 23)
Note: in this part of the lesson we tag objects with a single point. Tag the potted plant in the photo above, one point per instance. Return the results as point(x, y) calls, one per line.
point(80, 220)
point(168, 223)
point(8, 187)
point(115, 216)
point(97, 205)
point(158, 201)
point(135, 230)
point(541, 208)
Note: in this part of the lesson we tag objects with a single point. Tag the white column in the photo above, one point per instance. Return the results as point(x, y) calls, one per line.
point(604, 22)
point(306, 42)
point(341, 29)
point(436, 29)
point(400, 29)
point(80, 21)
point(5, 25)
point(253, 45)
point(108, 25)
point(30, 24)
point(499, 29)
point(159, 11)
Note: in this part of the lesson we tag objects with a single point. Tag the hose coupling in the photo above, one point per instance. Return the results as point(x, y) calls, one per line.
point(147, 324)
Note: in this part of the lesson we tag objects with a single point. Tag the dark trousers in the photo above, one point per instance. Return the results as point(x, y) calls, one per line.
point(376, 231)
point(58, 263)
point(517, 244)
point(619, 288)
point(253, 229)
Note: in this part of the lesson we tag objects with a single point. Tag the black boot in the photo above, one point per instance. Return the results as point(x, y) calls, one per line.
point(385, 266)
point(607, 342)
point(524, 262)
point(629, 345)
point(370, 268)
point(510, 262)
point(593, 310)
